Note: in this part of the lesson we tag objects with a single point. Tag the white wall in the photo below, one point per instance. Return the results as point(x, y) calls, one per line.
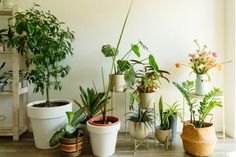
point(230, 68)
point(168, 27)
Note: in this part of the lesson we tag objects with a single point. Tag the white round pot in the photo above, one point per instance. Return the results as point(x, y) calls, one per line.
point(46, 121)
point(138, 130)
point(202, 84)
point(7, 4)
point(117, 83)
point(103, 137)
point(147, 100)
point(164, 136)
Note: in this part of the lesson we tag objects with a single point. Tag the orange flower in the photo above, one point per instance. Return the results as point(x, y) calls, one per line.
point(178, 65)
point(219, 67)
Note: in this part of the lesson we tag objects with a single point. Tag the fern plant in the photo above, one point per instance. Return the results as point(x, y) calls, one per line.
point(204, 107)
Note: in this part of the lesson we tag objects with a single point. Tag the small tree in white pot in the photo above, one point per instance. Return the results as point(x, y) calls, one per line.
point(44, 40)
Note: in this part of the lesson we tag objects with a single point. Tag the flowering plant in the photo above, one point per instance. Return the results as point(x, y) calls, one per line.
point(202, 61)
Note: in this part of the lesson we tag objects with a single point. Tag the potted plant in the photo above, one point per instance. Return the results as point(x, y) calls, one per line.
point(140, 121)
point(103, 129)
point(70, 136)
point(4, 78)
point(147, 82)
point(201, 62)
point(164, 132)
point(198, 136)
point(3, 33)
point(44, 40)
point(122, 69)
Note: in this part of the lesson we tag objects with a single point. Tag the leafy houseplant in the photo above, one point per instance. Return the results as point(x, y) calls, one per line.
point(46, 42)
point(139, 122)
point(70, 135)
point(201, 133)
point(164, 132)
point(3, 78)
point(147, 82)
point(92, 100)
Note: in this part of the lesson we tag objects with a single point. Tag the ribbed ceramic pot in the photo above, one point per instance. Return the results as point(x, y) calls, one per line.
point(138, 130)
point(202, 84)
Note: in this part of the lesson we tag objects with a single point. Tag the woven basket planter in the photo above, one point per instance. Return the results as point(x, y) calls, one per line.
point(199, 141)
point(72, 147)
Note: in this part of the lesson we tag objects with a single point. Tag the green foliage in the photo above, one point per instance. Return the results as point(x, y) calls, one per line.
point(204, 107)
point(46, 42)
point(92, 101)
point(3, 76)
point(3, 33)
point(70, 129)
point(172, 111)
point(142, 115)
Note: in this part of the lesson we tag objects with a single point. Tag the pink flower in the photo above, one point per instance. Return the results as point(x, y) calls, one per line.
point(214, 54)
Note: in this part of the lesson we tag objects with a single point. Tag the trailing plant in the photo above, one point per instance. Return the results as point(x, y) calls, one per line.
point(145, 116)
point(70, 129)
point(91, 102)
point(204, 107)
point(171, 111)
point(46, 42)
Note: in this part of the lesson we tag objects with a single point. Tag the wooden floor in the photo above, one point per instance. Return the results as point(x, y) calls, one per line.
point(125, 148)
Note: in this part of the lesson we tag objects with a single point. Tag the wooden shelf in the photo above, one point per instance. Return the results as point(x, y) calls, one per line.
point(21, 91)
point(8, 131)
point(5, 12)
point(5, 52)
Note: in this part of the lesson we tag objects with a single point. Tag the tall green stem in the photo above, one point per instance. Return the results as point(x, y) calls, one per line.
point(113, 63)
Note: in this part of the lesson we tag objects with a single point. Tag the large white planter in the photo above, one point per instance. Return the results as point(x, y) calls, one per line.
point(103, 137)
point(117, 83)
point(46, 121)
point(138, 130)
point(202, 84)
point(7, 4)
point(147, 100)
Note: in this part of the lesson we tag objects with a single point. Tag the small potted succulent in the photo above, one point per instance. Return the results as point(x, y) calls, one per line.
point(71, 135)
point(198, 136)
point(147, 82)
point(201, 62)
point(46, 42)
point(140, 121)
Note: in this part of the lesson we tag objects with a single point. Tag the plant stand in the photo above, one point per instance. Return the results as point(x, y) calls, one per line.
point(218, 98)
point(113, 109)
point(138, 143)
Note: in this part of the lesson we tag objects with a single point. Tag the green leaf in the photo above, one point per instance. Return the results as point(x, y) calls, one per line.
point(152, 63)
point(123, 65)
point(70, 116)
point(130, 76)
point(56, 138)
point(136, 50)
point(69, 129)
point(108, 51)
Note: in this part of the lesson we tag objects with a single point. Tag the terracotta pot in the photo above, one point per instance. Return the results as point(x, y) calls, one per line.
point(72, 147)
point(138, 130)
point(199, 141)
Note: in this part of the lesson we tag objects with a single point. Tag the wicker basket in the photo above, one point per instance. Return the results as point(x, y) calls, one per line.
point(72, 147)
point(199, 141)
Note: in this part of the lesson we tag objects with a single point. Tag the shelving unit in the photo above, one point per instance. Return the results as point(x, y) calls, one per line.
point(18, 106)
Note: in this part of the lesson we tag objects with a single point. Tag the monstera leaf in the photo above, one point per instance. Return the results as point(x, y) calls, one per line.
point(108, 51)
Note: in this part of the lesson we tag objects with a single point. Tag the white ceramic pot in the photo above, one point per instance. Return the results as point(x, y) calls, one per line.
point(117, 83)
point(7, 4)
point(202, 84)
point(138, 130)
point(103, 137)
point(147, 100)
point(46, 121)
point(164, 136)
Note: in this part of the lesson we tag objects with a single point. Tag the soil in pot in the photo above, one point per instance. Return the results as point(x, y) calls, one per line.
point(53, 104)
